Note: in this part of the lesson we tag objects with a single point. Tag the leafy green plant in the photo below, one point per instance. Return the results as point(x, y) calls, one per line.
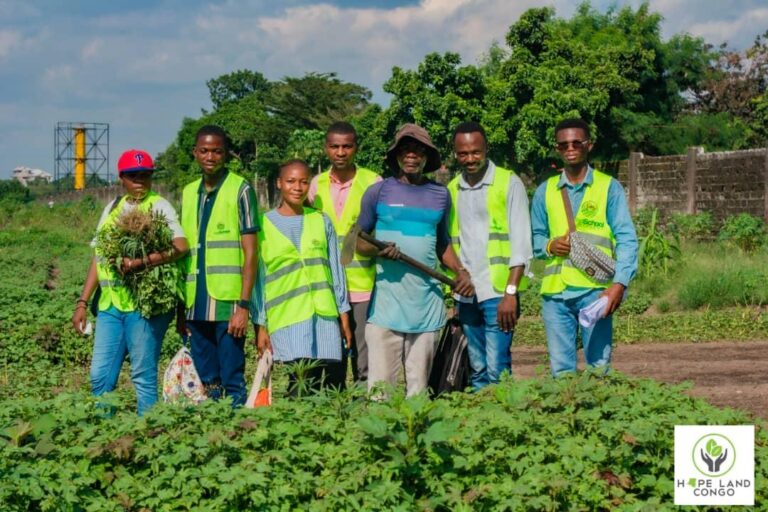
point(137, 234)
point(637, 302)
point(745, 231)
point(582, 442)
point(643, 218)
point(699, 226)
point(656, 251)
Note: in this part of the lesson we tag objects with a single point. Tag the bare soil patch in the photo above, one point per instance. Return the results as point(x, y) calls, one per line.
point(726, 373)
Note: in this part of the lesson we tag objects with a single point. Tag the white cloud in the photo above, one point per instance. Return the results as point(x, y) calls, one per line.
point(143, 69)
point(91, 49)
point(736, 31)
point(8, 40)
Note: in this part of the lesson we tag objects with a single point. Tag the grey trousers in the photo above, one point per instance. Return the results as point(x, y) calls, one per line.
point(359, 346)
point(388, 350)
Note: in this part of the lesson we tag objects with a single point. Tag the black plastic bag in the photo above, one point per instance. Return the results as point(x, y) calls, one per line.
point(450, 367)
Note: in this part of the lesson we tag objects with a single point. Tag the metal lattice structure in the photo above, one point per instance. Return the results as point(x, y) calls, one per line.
point(81, 151)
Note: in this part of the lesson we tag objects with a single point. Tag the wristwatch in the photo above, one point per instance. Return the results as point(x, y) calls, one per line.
point(510, 289)
point(245, 304)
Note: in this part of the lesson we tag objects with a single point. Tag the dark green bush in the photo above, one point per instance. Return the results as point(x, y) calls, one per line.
point(745, 231)
point(696, 227)
point(637, 302)
point(580, 443)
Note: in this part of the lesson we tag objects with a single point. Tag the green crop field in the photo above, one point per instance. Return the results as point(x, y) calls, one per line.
point(581, 443)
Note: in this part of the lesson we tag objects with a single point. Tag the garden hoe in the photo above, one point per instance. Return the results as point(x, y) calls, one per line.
point(348, 252)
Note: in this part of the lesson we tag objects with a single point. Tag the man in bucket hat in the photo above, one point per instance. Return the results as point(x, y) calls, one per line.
point(410, 212)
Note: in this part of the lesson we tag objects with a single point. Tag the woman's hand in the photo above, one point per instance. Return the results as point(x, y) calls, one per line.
point(263, 343)
point(346, 330)
point(80, 318)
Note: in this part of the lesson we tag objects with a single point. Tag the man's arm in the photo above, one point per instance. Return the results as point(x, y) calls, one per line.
point(367, 222)
point(520, 250)
point(80, 316)
point(249, 227)
point(448, 256)
point(620, 221)
point(540, 223)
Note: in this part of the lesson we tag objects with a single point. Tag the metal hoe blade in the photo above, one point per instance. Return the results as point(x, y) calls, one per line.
point(349, 245)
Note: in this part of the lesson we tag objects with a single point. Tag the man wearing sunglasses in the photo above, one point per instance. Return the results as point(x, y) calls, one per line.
point(601, 214)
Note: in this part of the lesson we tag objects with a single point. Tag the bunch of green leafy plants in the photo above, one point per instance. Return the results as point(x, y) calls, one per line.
point(136, 234)
point(578, 443)
point(697, 226)
point(745, 231)
point(657, 250)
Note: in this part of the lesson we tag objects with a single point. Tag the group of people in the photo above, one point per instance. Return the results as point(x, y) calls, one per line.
point(283, 268)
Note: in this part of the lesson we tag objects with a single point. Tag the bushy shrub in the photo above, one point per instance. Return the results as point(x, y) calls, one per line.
point(699, 226)
point(579, 443)
point(745, 231)
point(657, 250)
point(643, 219)
point(735, 282)
point(637, 302)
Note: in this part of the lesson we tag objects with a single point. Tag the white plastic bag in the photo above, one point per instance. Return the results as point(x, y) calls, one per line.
point(589, 315)
point(261, 390)
point(181, 381)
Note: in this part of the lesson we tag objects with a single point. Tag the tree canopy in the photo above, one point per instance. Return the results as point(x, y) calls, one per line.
point(612, 68)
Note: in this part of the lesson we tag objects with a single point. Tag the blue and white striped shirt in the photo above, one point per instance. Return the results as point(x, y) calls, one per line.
point(318, 337)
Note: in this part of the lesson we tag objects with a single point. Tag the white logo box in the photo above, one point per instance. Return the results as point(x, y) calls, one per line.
point(714, 465)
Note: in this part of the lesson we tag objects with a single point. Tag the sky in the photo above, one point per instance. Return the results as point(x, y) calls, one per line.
point(141, 66)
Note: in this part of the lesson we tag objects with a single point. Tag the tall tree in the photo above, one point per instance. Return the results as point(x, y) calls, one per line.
point(315, 100)
point(439, 94)
point(236, 86)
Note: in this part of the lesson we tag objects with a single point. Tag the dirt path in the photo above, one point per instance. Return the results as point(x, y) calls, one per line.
point(728, 374)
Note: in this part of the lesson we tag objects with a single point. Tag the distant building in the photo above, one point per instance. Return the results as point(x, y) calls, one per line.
point(25, 175)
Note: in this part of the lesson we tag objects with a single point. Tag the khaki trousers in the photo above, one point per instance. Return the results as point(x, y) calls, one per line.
point(390, 350)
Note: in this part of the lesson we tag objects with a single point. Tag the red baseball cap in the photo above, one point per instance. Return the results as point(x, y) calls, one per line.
point(135, 160)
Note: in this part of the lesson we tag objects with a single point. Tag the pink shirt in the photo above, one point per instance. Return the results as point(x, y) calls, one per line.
point(339, 194)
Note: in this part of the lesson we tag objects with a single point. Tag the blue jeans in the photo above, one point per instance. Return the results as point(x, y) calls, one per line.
point(489, 347)
point(219, 360)
point(119, 334)
point(561, 322)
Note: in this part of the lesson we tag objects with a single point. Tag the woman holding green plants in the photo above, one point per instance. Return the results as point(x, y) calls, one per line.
point(300, 297)
point(138, 238)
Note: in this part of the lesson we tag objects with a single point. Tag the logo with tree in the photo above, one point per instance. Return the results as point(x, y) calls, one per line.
point(714, 455)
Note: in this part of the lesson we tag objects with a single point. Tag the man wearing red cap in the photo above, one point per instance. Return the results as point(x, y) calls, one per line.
point(120, 328)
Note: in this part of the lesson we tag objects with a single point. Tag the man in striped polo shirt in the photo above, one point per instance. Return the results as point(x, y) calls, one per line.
point(219, 215)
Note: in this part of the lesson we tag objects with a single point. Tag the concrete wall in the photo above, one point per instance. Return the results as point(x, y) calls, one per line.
point(724, 183)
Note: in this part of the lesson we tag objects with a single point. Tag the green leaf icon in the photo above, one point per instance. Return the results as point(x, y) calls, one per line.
point(692, 482)
point(713, 448)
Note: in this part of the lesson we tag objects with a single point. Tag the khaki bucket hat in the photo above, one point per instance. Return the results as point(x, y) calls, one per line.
point(418, 134)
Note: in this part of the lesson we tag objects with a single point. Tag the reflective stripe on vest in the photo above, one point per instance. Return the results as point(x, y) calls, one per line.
point(591, 221)
point(297, 284)
point(498, 249)
point(223, 250)
point(361, 272)
point(113, 293)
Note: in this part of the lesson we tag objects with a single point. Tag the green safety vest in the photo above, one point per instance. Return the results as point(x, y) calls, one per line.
point(498, 249)
point(113, 293)
point(223, 250)
point(297, 284)
point(591, 221)
point(361, 271)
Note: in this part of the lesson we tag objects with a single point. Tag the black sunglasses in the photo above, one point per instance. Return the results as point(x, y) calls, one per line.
point(577, 144)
